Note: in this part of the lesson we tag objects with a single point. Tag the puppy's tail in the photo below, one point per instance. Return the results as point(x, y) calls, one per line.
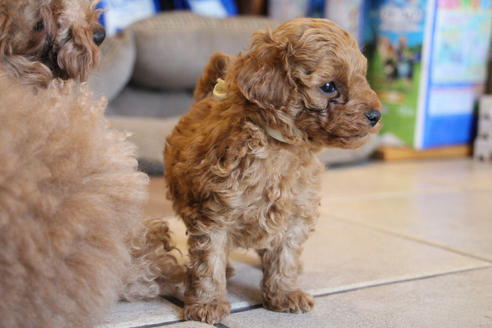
point(215, 69)
point(155, 269)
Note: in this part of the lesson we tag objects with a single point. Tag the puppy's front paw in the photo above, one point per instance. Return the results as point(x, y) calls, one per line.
point(210, 313)
point(293, 302)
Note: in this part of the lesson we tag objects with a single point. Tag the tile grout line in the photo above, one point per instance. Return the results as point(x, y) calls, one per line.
point(156, 325)
point(247, 308)
point(396, 282)
point(388, 194)
point(402, 194)
point(173, 300)
point(407, 237)
point(176, 301)
point(220, 325)
point(440, 181)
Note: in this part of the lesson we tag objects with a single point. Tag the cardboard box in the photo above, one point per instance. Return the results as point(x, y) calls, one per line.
point(429, 68)
point(283, 10)
point(485, 117)
point(352, 15)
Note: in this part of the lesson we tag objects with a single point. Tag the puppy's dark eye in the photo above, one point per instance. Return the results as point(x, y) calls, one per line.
point(39, 26)
point(329, 88)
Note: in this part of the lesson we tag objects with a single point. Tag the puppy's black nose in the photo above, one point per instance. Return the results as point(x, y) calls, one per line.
point(373, 116)
point(99, 36)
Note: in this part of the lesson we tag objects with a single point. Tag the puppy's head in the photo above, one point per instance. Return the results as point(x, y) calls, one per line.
point(45, 39)
point(308, 79)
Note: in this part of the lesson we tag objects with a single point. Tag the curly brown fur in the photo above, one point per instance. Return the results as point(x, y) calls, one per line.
point(72, 238)
point(234, 185)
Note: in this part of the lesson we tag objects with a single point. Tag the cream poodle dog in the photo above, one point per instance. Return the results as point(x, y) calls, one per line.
point(71, 234)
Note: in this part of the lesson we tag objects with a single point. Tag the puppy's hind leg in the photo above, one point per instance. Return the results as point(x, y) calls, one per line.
point(206, 295)
point(281, 267)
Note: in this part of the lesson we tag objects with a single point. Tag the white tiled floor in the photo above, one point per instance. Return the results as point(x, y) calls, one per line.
point(459, 300)
point(142, 314)
point(402, 245)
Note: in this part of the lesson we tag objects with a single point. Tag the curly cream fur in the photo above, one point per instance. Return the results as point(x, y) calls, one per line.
point(72, 240)
point(154, 270)
point(236, 186)
point(69, 196)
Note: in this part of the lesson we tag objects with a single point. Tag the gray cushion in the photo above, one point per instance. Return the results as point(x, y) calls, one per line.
point(147, 103)
point(116, 67)
point(147, 134)
point(173, 48)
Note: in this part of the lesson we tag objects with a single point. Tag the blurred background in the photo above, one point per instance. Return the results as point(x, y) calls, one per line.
point(428, 61)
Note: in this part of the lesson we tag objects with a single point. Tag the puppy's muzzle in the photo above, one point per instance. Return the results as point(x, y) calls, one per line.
point(373, 116)
point(99, 35)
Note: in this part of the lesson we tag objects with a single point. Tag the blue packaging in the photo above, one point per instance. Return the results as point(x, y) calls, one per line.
point(121, 13)
point(429, 68)
point(214, 8)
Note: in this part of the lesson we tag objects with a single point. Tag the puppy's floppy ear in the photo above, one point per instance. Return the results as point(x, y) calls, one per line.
point(263, 75)
point(75, 63)
point(27, 71)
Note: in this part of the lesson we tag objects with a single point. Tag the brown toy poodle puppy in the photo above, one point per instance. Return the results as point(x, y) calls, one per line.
point(241, 165)
point(71, 236)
